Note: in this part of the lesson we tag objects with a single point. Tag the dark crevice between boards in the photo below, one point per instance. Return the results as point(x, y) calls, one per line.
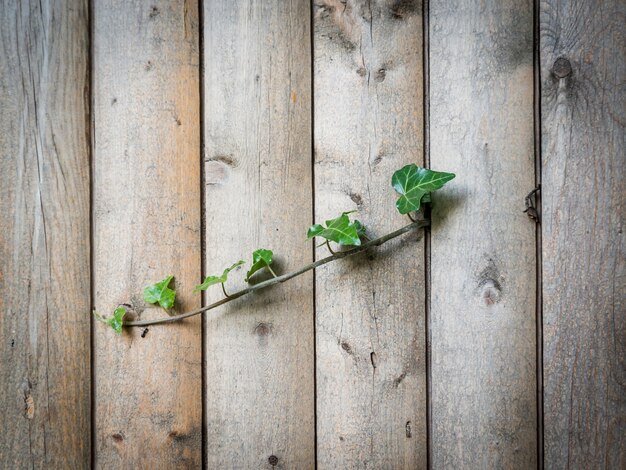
point(89, 101)
point(427, 240)
point(313, 275)
point(538, 239)
point(202, 107)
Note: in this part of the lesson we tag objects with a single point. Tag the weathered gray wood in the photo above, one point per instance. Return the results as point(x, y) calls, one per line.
point(483, 327)
point(371, 379)
point(258, 186)
point(148, 403)
point(44, 235)
point(583, 67)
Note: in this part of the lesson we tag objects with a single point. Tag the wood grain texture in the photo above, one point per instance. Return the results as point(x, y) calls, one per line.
point(371, 380)
point(44, 235)
point(583, 66)
point(483, 327)
point(258, 186)
point(148, 404)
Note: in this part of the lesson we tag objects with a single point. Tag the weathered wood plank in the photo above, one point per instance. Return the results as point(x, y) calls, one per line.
point(44, 235)
point(148, 404)
point(483, 247)
point(583, 67)
point(371, 379)
point(258, 186)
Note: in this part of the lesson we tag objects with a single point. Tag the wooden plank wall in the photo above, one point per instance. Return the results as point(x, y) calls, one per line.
point(583, 115)
point(422, 354)
point(371, 368)
point(259, 388)
point(484, 410)
point(148, 390)
point(44, 235)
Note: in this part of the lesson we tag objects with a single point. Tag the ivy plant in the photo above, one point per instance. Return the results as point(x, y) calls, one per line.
point(340, 230)
point(212, 280)
point(261, 258)
point(115, 321)
point(160, 293)
point(413, 184)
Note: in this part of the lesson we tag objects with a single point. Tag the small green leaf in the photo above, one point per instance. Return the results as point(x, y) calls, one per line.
point(261, 258)
point(116, 321)
point(212, 280)
point(360, 228)
point(413, 183)
point(340, 230)
point(160, 293)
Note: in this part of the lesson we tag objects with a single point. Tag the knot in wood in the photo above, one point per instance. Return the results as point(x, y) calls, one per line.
point(263, 329)
point(273, 460)
point(490, 292)
point(562, 68)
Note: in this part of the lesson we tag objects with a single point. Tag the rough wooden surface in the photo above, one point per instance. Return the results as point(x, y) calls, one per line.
point(583, 65)
point(371, 379)
point(148, 401)
point(258, 185)
point(44, 235)
point(483, 247)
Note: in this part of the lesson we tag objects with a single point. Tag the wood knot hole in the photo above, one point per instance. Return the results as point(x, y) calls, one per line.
point(490, 292)
point(263, 329)
point(273, 460)
point(562, 68)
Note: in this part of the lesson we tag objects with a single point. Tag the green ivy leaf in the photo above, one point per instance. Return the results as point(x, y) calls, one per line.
point(116, 321)
point(160, 293)
point(212, 280)
point(261, 258)
point(413, 183)
point(360, 228)
point(340, 230)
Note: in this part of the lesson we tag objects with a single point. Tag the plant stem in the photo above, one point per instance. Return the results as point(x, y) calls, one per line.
point(329, 248)
point(285, 277)
point(224, 291)
point(272, 271)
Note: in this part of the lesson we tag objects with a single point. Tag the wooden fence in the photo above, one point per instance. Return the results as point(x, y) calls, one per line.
point(146, 138)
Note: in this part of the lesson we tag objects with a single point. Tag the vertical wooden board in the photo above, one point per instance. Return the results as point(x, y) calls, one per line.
point(583, 65)
point(258, 186)
point(483, 328)
point(148, 403)
point(44, 235)
point(371, 379)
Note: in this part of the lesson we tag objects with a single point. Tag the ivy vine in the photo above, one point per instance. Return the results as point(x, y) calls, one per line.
point(412, 183)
